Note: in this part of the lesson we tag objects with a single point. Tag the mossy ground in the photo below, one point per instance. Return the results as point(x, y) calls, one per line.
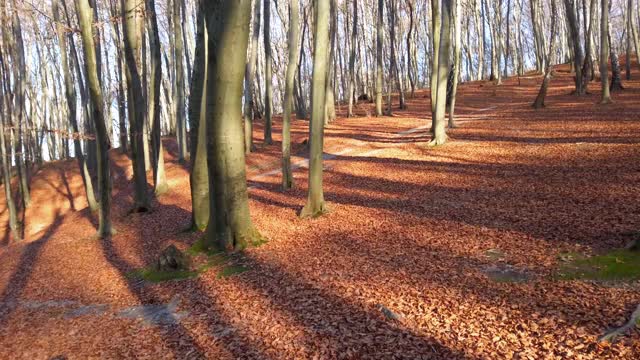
point(612, 266)
point(202, 258)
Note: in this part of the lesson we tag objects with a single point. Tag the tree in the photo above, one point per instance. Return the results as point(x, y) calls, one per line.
point(230, 226)
point(249, 80)
point(379, 60)
point(199, 176)
point(352, 60)
point(6, 167)
point(294, 30)
point(178, 96)
point(268, 74)
point(153, 103)
point(442, 71)
point(85, 19)
point(70, 93)
point(539, 102)
point(456, 61)
point(132, 27)
point(315, 205)
point(604, 51)
point(578, 57)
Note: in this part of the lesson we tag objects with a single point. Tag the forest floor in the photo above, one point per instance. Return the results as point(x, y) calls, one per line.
point(465, 243)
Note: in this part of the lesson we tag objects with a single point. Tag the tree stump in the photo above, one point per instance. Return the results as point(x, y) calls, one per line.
point(171, 259)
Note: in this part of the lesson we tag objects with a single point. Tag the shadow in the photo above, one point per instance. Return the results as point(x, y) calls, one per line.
point(20, 277)
point(69, 194)
point(195, 300)
point(334, 325)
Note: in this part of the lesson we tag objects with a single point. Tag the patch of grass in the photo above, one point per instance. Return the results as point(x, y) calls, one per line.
point(155, 276)
point(231, 270)
point(615, 265)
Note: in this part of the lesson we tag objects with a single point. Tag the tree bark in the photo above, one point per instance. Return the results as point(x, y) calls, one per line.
point(315, 205)
point(352, 60)
point(379, 59)
point(456, 60)
point(604, 51)
point(71, 96)
point(153, 103)
point(199, 176)
point(268, 74)
point(85, 19)
point(440, 135)
point(228, 27)
point(542, 93)
point(132, 26)
point(294, 30)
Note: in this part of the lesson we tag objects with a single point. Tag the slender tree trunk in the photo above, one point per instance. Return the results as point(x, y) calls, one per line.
point(616, 76)
point(250, 77)
point(456, 60)
point(315, 205)
point(153, 103)
point(379, 59)
point(412, 81)
point(199, 176)
point(352, 60)
point(330, 112)
point(578, 57)
point(71, 96)
point(629, 22)
point(604, 51)
point(19, 68)
point(436, 20)
point(294, 30)
point(179, 104)
point(132, 26)
point(539, 102)
point(228, 26)
point(268, 74)
point(440, 135)
point(85, 18)
point(634, 31)
point(5, 156)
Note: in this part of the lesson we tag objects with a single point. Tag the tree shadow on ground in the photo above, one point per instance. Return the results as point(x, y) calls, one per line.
point(26, 264)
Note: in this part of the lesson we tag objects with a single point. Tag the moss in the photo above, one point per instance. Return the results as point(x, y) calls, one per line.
point(152, 275)
point(201, 247)
point(615, 265)
point(231, 270)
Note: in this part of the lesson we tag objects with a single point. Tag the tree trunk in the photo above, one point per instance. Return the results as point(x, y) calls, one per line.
point(228, 27)
point(268, 74)
point(179, 105)
point(440, 135)
point(70, 92)
point(153, 102)
point(379, 59)
point(352, 59)
point(132, 26)
point(539, 102)
point(578, 57)
point(604, 51)
point(85, 19)
point(250, 91)
point(456, 60)
point(294, 30)
point(330, 112)
point(315, 205)
point(436, 20)
point(199, 176)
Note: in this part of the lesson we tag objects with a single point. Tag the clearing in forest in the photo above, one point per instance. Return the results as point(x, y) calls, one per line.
point(483, 248)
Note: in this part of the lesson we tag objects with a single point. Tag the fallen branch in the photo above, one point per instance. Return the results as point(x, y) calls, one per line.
point(613, 334)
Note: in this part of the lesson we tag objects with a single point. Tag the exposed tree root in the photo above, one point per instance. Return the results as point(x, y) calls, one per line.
point(613, 334)
point(308, 213)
